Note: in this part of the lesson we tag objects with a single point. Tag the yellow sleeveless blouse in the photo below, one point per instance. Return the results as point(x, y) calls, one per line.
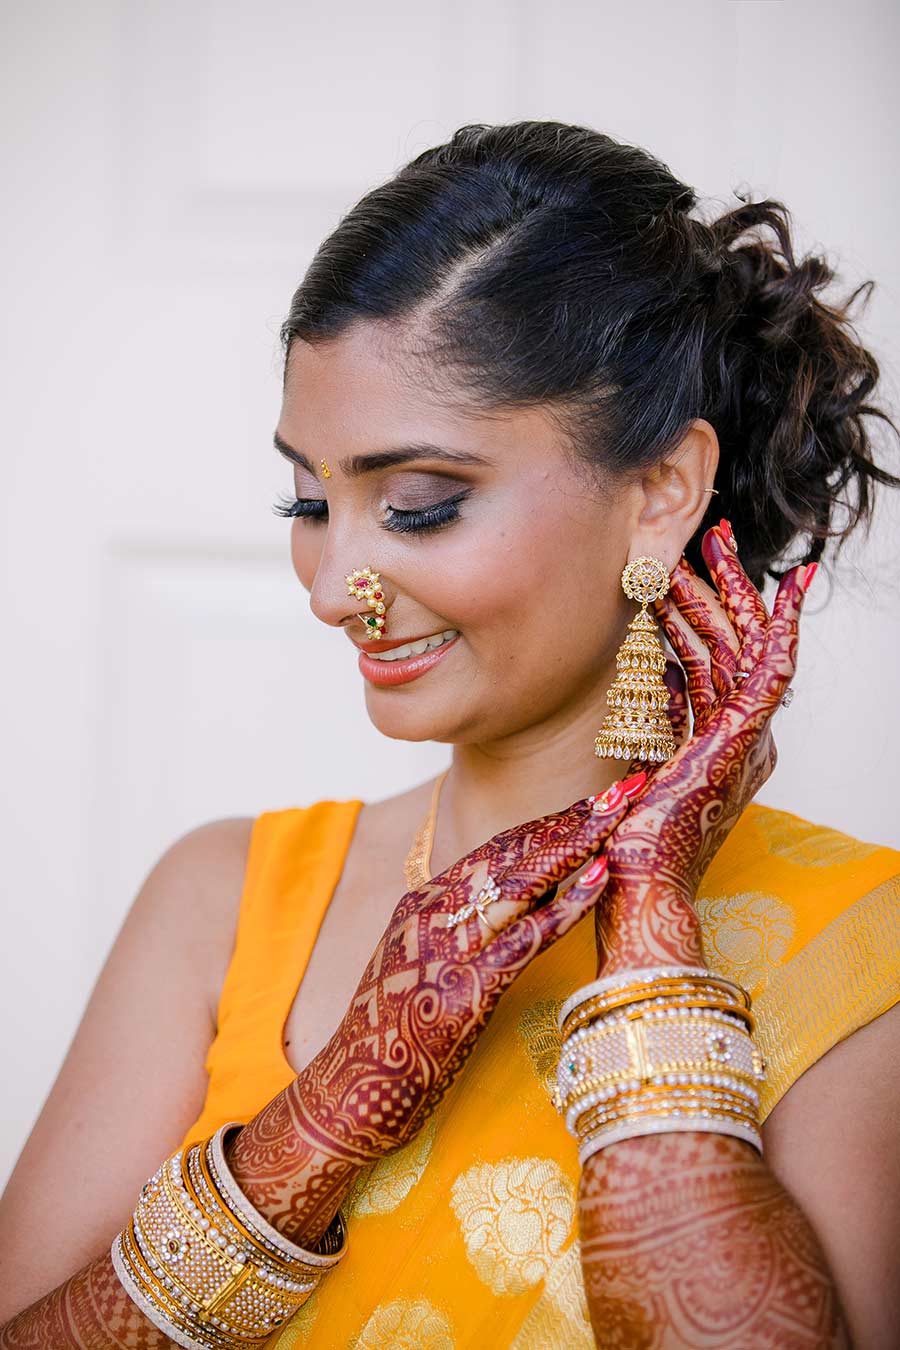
point(467, 1237)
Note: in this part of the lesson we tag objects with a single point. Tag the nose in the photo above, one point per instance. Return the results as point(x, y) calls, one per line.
point(349, 596)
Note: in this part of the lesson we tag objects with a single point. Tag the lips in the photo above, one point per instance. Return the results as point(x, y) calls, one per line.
point(388, 674)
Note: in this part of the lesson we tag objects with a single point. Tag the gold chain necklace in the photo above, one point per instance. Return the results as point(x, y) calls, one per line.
point(418, 860)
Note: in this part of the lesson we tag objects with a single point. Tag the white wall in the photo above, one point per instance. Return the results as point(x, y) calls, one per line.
point(169, 170)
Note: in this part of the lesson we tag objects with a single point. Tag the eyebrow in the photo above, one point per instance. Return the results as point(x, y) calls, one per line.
point(354, 466)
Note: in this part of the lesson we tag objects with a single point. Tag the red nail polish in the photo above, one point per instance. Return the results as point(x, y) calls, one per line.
point(608, 800)
point(725, 527)
point(592, 874)
point(808, 576)
point(632, 786)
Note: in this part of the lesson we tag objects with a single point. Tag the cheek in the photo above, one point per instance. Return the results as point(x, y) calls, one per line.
point(532, 582)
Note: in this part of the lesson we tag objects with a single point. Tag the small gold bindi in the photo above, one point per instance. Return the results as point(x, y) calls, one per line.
point(326, 472)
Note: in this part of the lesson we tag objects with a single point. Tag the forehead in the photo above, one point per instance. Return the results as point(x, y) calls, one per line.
point(363, 391)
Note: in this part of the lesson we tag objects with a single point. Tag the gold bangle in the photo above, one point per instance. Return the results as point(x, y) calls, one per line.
point(692, 1073)
point(653, 1046)
point(707, 1121)
point(721, 1099)
point(611, 987)
point(204, 1266)
point(663, 1101)
point(674, 994)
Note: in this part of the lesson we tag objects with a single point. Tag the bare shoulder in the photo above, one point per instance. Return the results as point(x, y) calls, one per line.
point(198, 882)
point(834, 1142)
point(133, 1079)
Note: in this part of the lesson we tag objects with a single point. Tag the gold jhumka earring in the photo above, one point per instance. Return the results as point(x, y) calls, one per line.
point(637, 725)
point(365, 584)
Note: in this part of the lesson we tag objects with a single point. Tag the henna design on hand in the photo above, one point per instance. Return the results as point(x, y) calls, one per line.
point(690, 1236)
point(425, 997)
point(687, 1237)
point(660, 851)
point(89, 1311)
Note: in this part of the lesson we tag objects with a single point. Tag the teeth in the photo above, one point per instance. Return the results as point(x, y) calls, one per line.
point(416, 648)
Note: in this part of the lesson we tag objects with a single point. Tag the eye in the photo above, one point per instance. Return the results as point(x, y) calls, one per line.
point(427, 518)
point(401, 522)
point(308, 507)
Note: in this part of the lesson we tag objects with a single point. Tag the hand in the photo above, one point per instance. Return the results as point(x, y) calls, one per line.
point(431, 986)
point(659, 853)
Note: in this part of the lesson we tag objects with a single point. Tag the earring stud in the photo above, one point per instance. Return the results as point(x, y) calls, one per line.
point(365, 584)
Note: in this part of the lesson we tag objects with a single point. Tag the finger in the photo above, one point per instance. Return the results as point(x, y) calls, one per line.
point(493, 894)
point(685, 642)
point(690, 651)
point(508, 847)
point(676, 683)
point(537, 877)
point(535, 931)
point(766, 684)
point(742, 602)
point(699, 605)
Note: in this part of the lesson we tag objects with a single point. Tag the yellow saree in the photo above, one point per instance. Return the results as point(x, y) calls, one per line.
point(467, 1236)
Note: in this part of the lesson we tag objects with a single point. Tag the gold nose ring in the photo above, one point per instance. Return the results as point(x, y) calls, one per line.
point(365, 584)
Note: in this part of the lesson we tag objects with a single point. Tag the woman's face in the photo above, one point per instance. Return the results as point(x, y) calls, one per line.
point(526, 567)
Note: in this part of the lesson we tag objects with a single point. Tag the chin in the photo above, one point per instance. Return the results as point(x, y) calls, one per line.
point(404, 725)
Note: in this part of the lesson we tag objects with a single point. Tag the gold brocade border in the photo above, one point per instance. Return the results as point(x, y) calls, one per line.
point(846, 976)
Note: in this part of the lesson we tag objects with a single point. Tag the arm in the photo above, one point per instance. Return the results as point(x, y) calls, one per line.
point(133, 1078)
point(427, 992)
point(690, 1238)
point(783, 1242)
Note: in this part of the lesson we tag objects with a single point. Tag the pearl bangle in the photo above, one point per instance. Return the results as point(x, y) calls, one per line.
point(657, 1050)
point(206, 1267)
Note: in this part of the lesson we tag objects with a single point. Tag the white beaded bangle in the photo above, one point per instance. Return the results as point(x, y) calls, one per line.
point(632, 1129)
point(661, 1042)
point(334, 1241)
point(206, 1267)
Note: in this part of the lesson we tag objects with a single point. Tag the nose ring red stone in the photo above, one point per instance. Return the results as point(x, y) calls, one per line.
point(365, 584)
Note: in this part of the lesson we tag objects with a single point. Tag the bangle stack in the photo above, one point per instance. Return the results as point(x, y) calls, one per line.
point(656, 1050)
point(205, 1266)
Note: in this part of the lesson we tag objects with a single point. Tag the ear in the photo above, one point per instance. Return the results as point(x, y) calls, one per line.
point(671, 496)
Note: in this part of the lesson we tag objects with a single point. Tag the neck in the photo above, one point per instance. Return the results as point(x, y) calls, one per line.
point(492, 787)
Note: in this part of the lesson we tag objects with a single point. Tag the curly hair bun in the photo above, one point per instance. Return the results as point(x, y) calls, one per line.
point(543, 262)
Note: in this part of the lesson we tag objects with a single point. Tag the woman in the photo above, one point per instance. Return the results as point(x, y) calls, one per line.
point(513, 370)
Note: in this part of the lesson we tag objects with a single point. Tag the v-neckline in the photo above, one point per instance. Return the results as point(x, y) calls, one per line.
point(316, 900)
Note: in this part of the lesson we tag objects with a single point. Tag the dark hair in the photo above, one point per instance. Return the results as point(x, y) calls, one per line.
point(543, 263)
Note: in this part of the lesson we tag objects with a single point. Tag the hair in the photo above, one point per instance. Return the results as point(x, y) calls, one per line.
point(540, 263)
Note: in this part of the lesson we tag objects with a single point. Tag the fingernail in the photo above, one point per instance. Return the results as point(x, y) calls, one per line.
point(592, 874)
point(808, 576)
point(632, 786)
point(725, 527)
point(608, 800)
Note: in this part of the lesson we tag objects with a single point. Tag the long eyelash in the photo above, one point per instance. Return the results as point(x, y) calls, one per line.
point(299, 506)
point(401, 522)
point(429, 518)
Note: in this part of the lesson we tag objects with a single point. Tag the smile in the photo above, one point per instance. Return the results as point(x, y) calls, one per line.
point(415, 648)
point(402, 665)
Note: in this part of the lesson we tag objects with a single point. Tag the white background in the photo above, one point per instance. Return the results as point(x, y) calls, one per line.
point(168, 171)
